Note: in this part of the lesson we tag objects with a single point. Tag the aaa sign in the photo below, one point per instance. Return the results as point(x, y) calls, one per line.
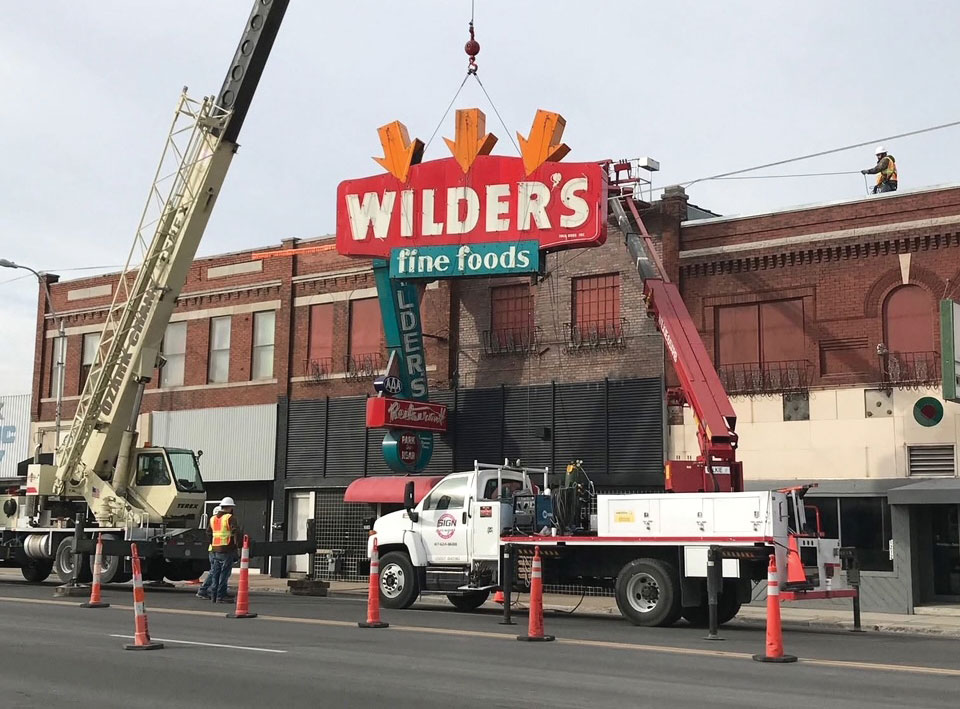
point(559, 205)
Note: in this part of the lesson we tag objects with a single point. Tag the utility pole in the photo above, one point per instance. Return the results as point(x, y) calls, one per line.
point(60, 347)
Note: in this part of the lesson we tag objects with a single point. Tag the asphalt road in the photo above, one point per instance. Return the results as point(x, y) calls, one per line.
point(308, 652)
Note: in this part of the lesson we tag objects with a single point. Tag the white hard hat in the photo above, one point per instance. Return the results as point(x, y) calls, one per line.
point(217, 509)
point(227, 502)
point(880, 149)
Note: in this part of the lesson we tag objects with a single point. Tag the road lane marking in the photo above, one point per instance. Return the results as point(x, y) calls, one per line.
point(610, 645)
point(193, 642)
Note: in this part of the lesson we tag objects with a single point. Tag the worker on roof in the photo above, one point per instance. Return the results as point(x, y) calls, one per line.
point(885, 170)
point(224, 542)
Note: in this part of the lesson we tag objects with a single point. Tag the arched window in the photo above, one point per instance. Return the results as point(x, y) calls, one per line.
point(908, 320)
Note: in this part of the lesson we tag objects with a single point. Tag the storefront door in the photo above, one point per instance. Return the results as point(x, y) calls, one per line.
point(946, 551)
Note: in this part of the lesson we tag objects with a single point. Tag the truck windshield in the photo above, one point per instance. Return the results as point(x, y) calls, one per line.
point(185, 471)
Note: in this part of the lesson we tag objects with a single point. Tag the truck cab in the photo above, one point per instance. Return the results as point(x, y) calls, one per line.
point(165, 485)
point(449, 542)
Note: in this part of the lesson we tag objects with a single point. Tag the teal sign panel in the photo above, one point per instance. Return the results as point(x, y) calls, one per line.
point(433, 262)
point(404, 451)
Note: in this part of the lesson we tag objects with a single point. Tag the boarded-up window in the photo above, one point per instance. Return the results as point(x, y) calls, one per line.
point(849, 355)
point(174, 348)
point(218, 366)
point(366, 329)
point(908, 320)
point(760, 332)
point(321, 334)
point(264, 332)
point(511, 312)
point(58, 351)
point(738, 334)
point(88, 354)
point(596, 303)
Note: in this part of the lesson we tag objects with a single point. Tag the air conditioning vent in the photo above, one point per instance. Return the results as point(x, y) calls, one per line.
point(931, 461)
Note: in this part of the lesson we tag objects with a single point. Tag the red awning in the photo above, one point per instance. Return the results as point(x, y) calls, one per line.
point(389, 488)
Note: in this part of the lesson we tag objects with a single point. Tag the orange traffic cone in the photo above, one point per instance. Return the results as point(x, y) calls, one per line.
point(498, 597)
point(142, 631)
point(373, 594)
point(795, 572)
point(243, 590)
point(774, 630)
point(535, 627)
point(95, 601)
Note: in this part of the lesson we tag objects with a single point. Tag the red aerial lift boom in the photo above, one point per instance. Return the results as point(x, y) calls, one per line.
point(716, 468)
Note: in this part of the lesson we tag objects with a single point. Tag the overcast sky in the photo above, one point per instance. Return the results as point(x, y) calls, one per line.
point(704, 87)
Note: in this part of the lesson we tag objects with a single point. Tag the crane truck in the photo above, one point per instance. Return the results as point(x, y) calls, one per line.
point(476, 531)
point(152, 495)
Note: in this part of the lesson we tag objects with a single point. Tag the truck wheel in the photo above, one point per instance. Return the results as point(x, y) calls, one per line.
point(648, 592)
point(63, 562)
point(36, 571)
point(398, 581)
point(109, 568)
point(727, 608)
point(469, 601)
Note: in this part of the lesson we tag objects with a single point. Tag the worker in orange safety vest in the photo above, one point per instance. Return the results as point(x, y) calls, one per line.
point(224, 537)
point(885, 170)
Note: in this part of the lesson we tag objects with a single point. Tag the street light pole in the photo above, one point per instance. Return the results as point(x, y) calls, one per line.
point(61, 345)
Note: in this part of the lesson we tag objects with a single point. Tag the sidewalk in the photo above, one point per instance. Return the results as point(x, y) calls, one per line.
point(928, 621)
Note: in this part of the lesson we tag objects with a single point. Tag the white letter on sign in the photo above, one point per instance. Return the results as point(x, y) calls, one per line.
point(579, 206)
point(430, 227)
point(370, 212)
point(455, 195)
point(496, 208)
point(532, 199)
point(406, 213)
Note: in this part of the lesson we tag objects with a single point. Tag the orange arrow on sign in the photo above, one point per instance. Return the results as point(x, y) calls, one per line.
point(471, 140)
point(544, 144)
point(399, 153)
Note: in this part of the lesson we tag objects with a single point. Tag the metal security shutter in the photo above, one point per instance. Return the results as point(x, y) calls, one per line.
point(636, 433)
point(376, 465)
point(441, 463)
point(931, 461)
point(479, 413)
point(346, 437)
point(305, 437)
point(527, 411)
point(580, 415)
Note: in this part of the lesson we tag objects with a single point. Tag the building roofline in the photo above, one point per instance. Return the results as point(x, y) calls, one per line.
point(225, 254)
point(819, 205)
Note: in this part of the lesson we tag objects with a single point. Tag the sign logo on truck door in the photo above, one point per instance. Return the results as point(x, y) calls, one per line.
point(446, 526)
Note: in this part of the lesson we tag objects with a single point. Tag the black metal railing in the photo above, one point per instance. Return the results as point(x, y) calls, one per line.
point(766, 377)
point(511, 341)
point(363, 366)
point(319, 369)
point(596, 334)
point(909, 368)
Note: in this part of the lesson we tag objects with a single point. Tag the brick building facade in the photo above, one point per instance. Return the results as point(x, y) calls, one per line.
point(269, 361)
point(823, 324)
point(821, 321)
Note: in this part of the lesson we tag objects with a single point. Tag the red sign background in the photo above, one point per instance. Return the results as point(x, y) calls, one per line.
point(575, 210)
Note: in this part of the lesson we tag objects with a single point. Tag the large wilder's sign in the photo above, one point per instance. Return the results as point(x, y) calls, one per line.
point(559, 205)
point(473, 214)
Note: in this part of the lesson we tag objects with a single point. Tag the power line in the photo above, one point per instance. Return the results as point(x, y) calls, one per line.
point(809, 156)
point(800, 174)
